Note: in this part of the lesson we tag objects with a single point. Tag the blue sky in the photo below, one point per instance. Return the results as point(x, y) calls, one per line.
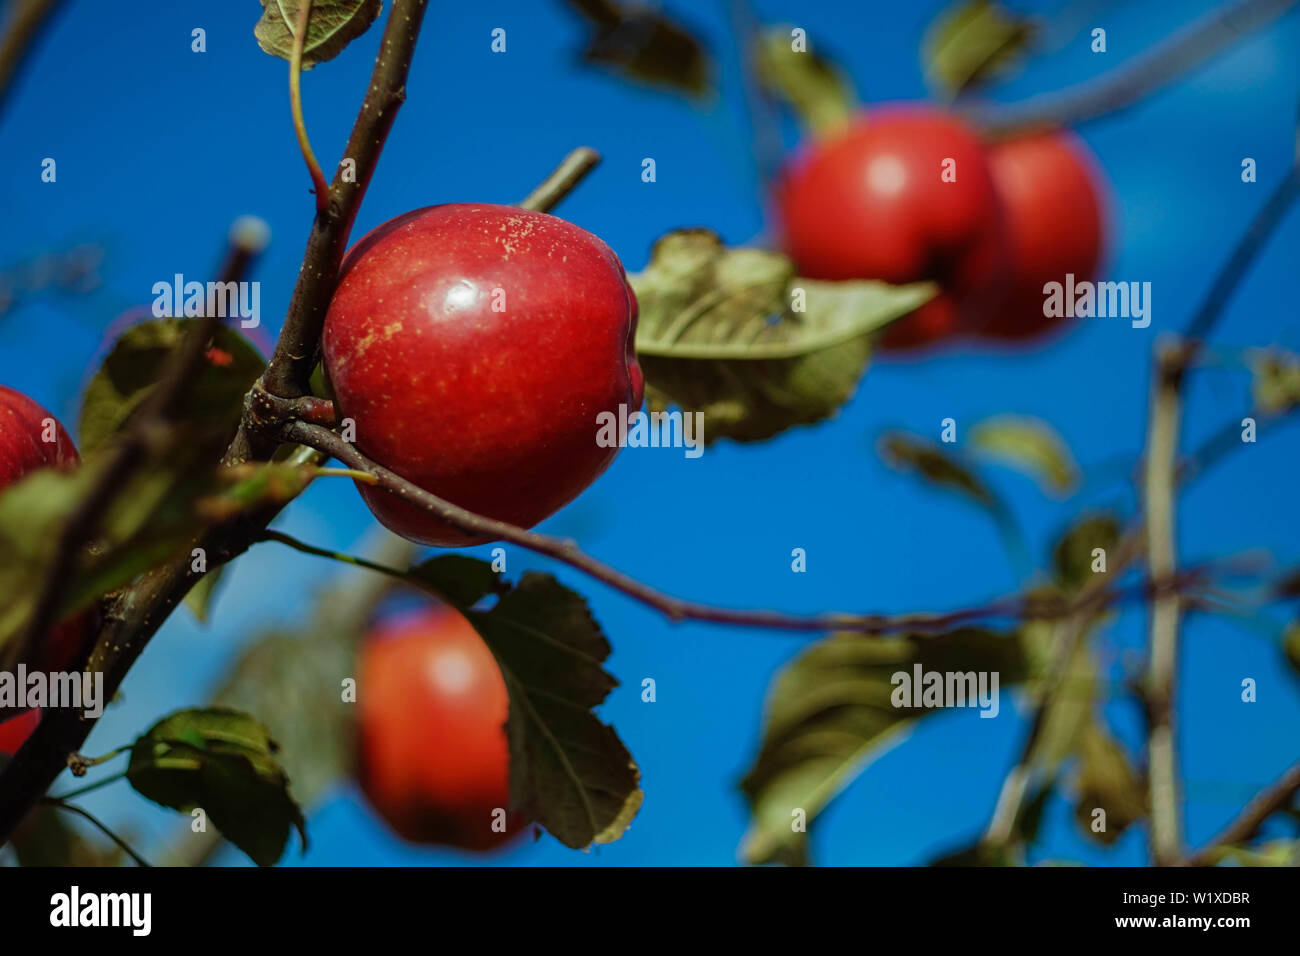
point(159, 149)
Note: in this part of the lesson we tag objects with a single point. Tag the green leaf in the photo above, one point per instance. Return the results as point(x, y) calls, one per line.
point(250, 486)
point(568, 771)
point(734, 334)
point(1029, 445)
point(133, 368)
point(1291, 646)
point(331, 26)
point(933, 462)
point(977, 854)
point(831, 710)
point(462, 580)
point(1273, 853)
point(971, 42)
point(201, 596)
point(819, 93)
point(1276, 380)
point(644, 45)
point(1107, 781)
point(1072, 557)
point(222, 761)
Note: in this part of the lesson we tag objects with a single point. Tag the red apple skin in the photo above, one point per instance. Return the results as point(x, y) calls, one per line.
point(1052, 191)
point(22, 451)
point(22, 432)
point(15, 731)
point(432, 753)
point(870, 203)
point(494, 411)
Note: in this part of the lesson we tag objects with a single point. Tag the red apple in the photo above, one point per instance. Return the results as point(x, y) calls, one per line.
point(1051, 189)
point(15, 731)
point(474, 346)
point(871, 202)
point(433, 758)
point(32, 438)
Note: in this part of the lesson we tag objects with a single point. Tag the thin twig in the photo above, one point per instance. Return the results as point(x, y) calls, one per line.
point(1135, 80)
point(320, 186)
point(1018, 606)
point(1247, 823)
point(136, 613)
point(1002, 828)
point(562, 180)
point(295, 352)
point(122, 844)
point(1159, 484)
point(26, 17)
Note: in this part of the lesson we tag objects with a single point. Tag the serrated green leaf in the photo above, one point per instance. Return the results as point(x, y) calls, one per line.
point(830, 711)
point(735, 335)
point(818, 92)
point(201, 596)
point(971, 42)
point(462, 580)
point(222, 761)
point(331, 26)
point(1029, 445)
point(568, 771)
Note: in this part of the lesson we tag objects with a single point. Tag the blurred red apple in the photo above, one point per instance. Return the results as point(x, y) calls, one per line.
point(432, 753)
point(1051, 189)
point(872, 202)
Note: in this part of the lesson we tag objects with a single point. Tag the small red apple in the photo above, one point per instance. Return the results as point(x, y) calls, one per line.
point(32, 438)
point(473, 346)
point(15, 731)
point(432, 753)
point(874, 202)
point(1051, 189)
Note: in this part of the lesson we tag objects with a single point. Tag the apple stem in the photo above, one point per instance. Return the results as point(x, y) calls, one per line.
point(562, 180)
point(320, 186)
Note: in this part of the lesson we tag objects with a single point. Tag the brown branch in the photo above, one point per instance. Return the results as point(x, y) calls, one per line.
point(1132, 81)
point(135, 615)
point(1016, 606)
point(1159, 483)
point(295, 352)
point(25, 21)
point(562, 180)
point(1247, 823)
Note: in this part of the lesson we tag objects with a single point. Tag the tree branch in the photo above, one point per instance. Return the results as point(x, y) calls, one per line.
point(1159, 491)
point(295, 352)
point(562, 180)
point(1016, 606)
point(136, 614)
point(1135, 80)
point(25, 20)
point(1252, 817)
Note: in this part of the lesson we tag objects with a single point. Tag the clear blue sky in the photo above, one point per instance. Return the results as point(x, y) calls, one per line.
point(159, 148)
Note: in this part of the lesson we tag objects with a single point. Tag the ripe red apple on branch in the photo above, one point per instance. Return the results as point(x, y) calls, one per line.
point(1051, 190)
point(432, 753)
point(32, 438)
point(473, 347)
point(903, 194)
